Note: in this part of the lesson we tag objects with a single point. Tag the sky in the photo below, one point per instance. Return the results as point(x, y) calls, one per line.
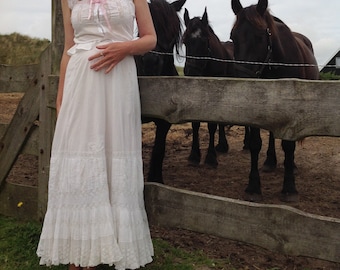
point(317, 19)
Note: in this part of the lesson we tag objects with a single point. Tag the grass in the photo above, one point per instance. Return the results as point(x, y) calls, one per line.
point(18, 242)
point(329, 76)
point(17, 49)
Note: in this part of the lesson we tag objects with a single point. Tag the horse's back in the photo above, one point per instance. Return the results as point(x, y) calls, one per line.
point(307, 52)
point(304, 39)
point(303, 52)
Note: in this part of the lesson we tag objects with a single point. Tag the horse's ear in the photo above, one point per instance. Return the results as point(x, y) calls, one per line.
point(186, 17)
point(262, 6)
point(177, 5)
point(236, 6)
point(205, 17)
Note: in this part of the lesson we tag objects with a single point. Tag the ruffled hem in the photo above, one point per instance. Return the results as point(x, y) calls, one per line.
point(80, 236)
point(144, 253)
point(86, 238)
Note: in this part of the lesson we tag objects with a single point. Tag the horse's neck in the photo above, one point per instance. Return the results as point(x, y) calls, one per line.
point(220, 50)
point(169, 68)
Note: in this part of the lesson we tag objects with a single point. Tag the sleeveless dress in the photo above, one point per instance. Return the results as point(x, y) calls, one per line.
point(95, 213)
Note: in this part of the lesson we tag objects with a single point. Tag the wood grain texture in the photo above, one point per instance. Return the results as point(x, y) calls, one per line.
point(16, 78)
point(19, 129)
point(291, 108)
point(275, 227)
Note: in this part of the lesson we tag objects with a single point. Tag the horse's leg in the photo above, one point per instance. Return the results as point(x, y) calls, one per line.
point(195, 154)
point(222, 145)
point(271, 161)
point(211, 157)
point(246, 138)
point(158, 151)
point(289, 192)
point(253, 191)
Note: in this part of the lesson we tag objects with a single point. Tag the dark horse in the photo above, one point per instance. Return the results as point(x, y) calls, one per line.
point(202, 45)
point(261, 38)
point(160, 62)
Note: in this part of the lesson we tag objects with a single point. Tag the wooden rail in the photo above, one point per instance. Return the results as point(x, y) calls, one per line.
point(275, 227)
point(291, 108)
point(25, 119)
point(16, 78)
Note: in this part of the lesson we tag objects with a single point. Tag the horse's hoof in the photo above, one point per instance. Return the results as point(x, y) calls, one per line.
point(212, 163)
point(289, 197)
point(222, 148)
point(268, 168)
point(254, 197)
point(193, 162)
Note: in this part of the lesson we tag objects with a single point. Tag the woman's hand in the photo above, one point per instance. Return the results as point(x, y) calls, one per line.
point(109, 55)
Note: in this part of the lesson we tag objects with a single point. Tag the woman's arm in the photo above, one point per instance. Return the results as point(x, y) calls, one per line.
point(68, 43)
point(146, 30)
point(111, 54)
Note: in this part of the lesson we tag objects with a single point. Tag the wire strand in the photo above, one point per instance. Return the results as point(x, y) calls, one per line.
point(244, 62)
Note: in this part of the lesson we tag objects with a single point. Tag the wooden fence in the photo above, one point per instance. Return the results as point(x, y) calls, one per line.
point(292, 109)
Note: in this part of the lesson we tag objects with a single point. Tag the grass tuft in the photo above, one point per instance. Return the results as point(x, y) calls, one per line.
point(19, 240)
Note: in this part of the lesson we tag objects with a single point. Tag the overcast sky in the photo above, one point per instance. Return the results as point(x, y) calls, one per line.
point(317, 19)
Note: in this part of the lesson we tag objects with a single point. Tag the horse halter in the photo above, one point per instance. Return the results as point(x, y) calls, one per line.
point(262, 65)
point(269, 54)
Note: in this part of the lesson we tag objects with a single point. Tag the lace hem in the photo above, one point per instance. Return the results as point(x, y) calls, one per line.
point(136, 254)
point(89, 238)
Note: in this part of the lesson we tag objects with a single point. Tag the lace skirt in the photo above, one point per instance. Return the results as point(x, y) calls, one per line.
point(95, 213)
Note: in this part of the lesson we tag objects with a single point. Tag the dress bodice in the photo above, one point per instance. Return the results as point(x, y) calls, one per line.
point(101, 21)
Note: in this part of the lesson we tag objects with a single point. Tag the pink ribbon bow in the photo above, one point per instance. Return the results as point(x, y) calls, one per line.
point(101, 8)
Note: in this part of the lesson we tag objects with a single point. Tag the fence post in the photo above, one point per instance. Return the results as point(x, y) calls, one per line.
point(57, 35)
point(49, 65)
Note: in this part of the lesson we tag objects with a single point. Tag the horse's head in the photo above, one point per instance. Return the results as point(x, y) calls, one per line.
point(252, 37)
point(169, 31)
point(196, 41)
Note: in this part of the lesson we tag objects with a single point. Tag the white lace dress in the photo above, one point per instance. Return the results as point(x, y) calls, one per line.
point(95, 213)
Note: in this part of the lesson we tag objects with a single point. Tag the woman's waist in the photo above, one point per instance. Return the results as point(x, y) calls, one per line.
point(89, 45)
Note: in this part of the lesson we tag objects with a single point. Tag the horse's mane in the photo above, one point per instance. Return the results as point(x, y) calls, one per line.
point(210, 32)
point(166, 21)
point(261, 22)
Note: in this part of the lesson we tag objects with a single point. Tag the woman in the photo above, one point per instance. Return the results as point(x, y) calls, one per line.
point(95, 213)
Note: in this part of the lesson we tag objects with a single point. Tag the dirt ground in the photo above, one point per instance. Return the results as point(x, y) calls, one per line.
point(317, 158)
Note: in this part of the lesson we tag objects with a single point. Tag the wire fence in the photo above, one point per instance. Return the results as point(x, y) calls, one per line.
point(245, 62)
